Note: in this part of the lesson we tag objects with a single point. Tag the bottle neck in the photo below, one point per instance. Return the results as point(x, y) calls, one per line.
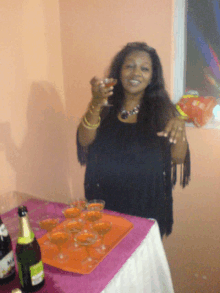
point(25, 235)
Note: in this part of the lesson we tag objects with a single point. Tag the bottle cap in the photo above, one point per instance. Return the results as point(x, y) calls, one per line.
point(22, 211)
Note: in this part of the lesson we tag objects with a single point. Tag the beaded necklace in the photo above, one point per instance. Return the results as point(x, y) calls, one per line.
point(125, 114)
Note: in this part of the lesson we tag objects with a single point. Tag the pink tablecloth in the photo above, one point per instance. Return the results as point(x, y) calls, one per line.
point(63, 282)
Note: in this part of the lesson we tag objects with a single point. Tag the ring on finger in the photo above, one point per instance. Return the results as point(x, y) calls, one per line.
point(101, 86)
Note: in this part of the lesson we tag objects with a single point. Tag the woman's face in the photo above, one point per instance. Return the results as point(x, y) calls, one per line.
point(136, 73)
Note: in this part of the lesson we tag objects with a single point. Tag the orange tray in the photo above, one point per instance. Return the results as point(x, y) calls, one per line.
point(120, 228)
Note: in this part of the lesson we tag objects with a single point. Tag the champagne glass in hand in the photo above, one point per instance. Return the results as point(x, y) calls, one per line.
point(59, 238)
point(85, 239)
point(109, 83)
point(102, 228)
point(102, 90)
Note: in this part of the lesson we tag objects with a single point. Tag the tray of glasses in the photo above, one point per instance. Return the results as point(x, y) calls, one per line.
point(77, 256)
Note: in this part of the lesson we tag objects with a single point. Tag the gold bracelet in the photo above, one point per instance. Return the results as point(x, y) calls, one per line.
point(89, 125)
point(93, 112)
point(86, 126)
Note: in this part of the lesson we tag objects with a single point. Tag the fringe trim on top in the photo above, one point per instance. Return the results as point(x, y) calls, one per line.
point(185, 171)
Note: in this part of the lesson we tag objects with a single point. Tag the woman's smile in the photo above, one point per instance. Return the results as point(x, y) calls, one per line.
point(136, 73)
point(134, 82)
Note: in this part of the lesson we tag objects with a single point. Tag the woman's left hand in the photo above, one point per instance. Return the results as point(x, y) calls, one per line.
point(175, 130)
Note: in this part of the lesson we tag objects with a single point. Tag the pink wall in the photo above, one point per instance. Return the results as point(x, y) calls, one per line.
point(193, 247)
point(33, 156)
point(49, 52)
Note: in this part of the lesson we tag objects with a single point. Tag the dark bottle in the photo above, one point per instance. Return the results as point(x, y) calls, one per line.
point(7, 263)
point(30, 266)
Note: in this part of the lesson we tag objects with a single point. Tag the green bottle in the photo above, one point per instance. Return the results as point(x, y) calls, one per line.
point(30, 266)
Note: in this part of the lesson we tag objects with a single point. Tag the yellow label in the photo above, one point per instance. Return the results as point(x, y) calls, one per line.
point(26, 240)
point(37, 273)
point(189, 96)
point(184, 116)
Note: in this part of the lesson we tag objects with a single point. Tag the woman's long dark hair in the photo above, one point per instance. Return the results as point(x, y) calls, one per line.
point(156, 107)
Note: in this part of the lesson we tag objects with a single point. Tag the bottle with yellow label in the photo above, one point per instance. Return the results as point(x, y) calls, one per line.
point(30, 266)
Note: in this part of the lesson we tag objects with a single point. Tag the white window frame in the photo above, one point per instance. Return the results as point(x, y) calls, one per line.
point(179, 30)
point(180, 51)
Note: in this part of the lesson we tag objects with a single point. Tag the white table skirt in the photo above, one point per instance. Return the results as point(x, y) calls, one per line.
point(146, 271)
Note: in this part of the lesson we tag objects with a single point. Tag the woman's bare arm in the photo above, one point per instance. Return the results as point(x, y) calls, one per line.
point(91, 119)
point(87, 135)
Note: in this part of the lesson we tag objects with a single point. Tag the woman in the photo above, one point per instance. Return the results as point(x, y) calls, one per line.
point(131, 148)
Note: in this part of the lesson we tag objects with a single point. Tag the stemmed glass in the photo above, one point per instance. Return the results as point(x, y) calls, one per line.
point(82, 203)
point(92, 215)
point(102, 228)
point(87, 238)
point(73, 227)
point(96, 204)
point(48, 224)
point(94, 210)
point(59, 238)
point(108, 82)
point(72, 212)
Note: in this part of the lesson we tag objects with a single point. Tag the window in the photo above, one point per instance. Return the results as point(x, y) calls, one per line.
point(197, 51)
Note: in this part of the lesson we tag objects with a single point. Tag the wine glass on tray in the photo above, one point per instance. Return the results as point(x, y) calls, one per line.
point(82, 203)
point(59, 238)
point(96, 204)
point(101, 228)
point(86, 239)
point(48, 224)
point(73, 227)
point(92, 215)
point(72, 212)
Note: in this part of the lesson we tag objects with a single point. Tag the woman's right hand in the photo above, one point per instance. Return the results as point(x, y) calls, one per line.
point(101, 92)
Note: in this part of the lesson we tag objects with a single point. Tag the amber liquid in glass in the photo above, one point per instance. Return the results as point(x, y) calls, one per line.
point(59, 238)
point(93, 215)
point(74, 227)
point(72, 212)
point(79, 203)
point(86, 238)
point(96, 206)
point(111, 83)
point(48, 224)
point(102, 228)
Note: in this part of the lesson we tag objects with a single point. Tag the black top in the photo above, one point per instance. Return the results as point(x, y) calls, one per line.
point(130, 170)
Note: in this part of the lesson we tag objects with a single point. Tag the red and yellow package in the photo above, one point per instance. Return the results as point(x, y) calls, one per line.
point(196, 109)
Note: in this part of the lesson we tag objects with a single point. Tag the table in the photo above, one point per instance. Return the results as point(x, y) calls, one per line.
point(137, 264)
